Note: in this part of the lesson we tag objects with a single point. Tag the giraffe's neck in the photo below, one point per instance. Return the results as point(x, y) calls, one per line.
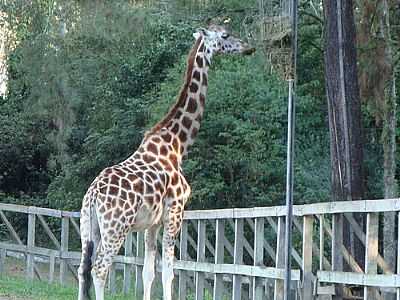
point(184, 118)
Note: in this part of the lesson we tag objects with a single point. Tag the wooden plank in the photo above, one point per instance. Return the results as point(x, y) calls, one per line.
point(112, 279)
point(371, 252)
point(183, 255)
point(56, 243)
point(3, 255)
point(228, 246)
point(280, 258)
point(337, 257)
point(361, 279)
point(307, 287)
point(362, 206)
point(139, 268)
point(258, 285)
point(398, 254)
point(361, 236)
point(201, 253)
point(346, 255)
point(75, 225)
point(219, 258)
point(321, 241)
point(232, 269)
point(10, 228)
point(246, 244)
point(64, 249)
point(52, 263)
point(209, 246)
point(49, 232)
point(30, 260)
point(16, 237)
point(266, 245)
point(297, 257)
point(238, 259)
point(38, 210)
point(127, 283)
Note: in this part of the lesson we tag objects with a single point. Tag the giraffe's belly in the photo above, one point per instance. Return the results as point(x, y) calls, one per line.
point(146, 217)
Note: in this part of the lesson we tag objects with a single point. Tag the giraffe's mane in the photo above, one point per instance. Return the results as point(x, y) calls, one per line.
point(183, 92)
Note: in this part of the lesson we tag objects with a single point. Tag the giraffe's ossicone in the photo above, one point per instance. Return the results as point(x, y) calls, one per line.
point(148, 189)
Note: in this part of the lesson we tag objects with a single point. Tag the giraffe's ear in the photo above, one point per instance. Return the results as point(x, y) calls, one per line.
point(196, 35)
point(200, 32)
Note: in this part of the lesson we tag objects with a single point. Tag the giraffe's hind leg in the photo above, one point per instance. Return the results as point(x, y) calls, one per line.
point(105, 252)
point(149, 260)
point(172, 227)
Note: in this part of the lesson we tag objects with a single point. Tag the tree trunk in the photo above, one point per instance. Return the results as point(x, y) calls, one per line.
point(344, 110)
point(3, 54)
point(379, 90)
point(389, 143)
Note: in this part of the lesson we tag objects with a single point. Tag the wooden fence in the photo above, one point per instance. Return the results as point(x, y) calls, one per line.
point(226, 253)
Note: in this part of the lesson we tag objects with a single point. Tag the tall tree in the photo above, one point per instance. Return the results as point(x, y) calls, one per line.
point(344, 107)
point(4, 44)
point(378, 89)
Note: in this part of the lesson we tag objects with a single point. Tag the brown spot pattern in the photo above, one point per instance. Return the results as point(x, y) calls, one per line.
point(182, 136)
point(196, 75)
point(175, 129)
point(191, 105)
point(138, 187)
point(164, 150)
point(152, 148)
point(174, 160)
point(167, 137)
point(186, 122)
point(199, 61)
point(193, 87)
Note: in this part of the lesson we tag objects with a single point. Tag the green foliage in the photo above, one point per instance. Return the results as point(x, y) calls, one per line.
point(239, 156)
point(81, 99)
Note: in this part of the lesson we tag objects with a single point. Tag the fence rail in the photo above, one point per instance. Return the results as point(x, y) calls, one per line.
point(227, 253)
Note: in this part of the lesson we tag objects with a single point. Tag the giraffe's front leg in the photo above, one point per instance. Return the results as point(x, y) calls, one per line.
point(149, 260)
point(172, 226)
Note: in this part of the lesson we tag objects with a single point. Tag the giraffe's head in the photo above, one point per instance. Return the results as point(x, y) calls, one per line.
point(218, 40)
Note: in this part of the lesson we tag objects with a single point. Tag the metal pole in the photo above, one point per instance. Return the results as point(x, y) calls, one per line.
point(289, 192)
point(290, 154)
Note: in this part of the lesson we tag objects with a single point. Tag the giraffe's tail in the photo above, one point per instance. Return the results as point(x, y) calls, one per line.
point(87, 268)
point(89, 246)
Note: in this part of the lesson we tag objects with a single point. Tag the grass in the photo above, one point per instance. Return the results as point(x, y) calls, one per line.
point(19, 288)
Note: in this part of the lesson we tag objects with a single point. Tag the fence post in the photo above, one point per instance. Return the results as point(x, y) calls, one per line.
point(321, 241)
point(64, 249)
point(52, 262)
point(398, 253)
point(112, 279)
point(128, 267)
point(280, 257)
point(371, 252)
point(183, 256)
point(30, 260)
point(258, 257)
point(238, 259)
point(139, 269)
point(219, 257)
point(337, 257)
point(201, 253)
point(307, 288)
point(3, 255)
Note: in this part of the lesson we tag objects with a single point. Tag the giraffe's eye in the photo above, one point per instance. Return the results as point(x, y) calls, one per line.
point(225, 35)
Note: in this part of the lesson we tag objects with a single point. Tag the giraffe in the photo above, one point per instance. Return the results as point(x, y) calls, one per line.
point(148, 190)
